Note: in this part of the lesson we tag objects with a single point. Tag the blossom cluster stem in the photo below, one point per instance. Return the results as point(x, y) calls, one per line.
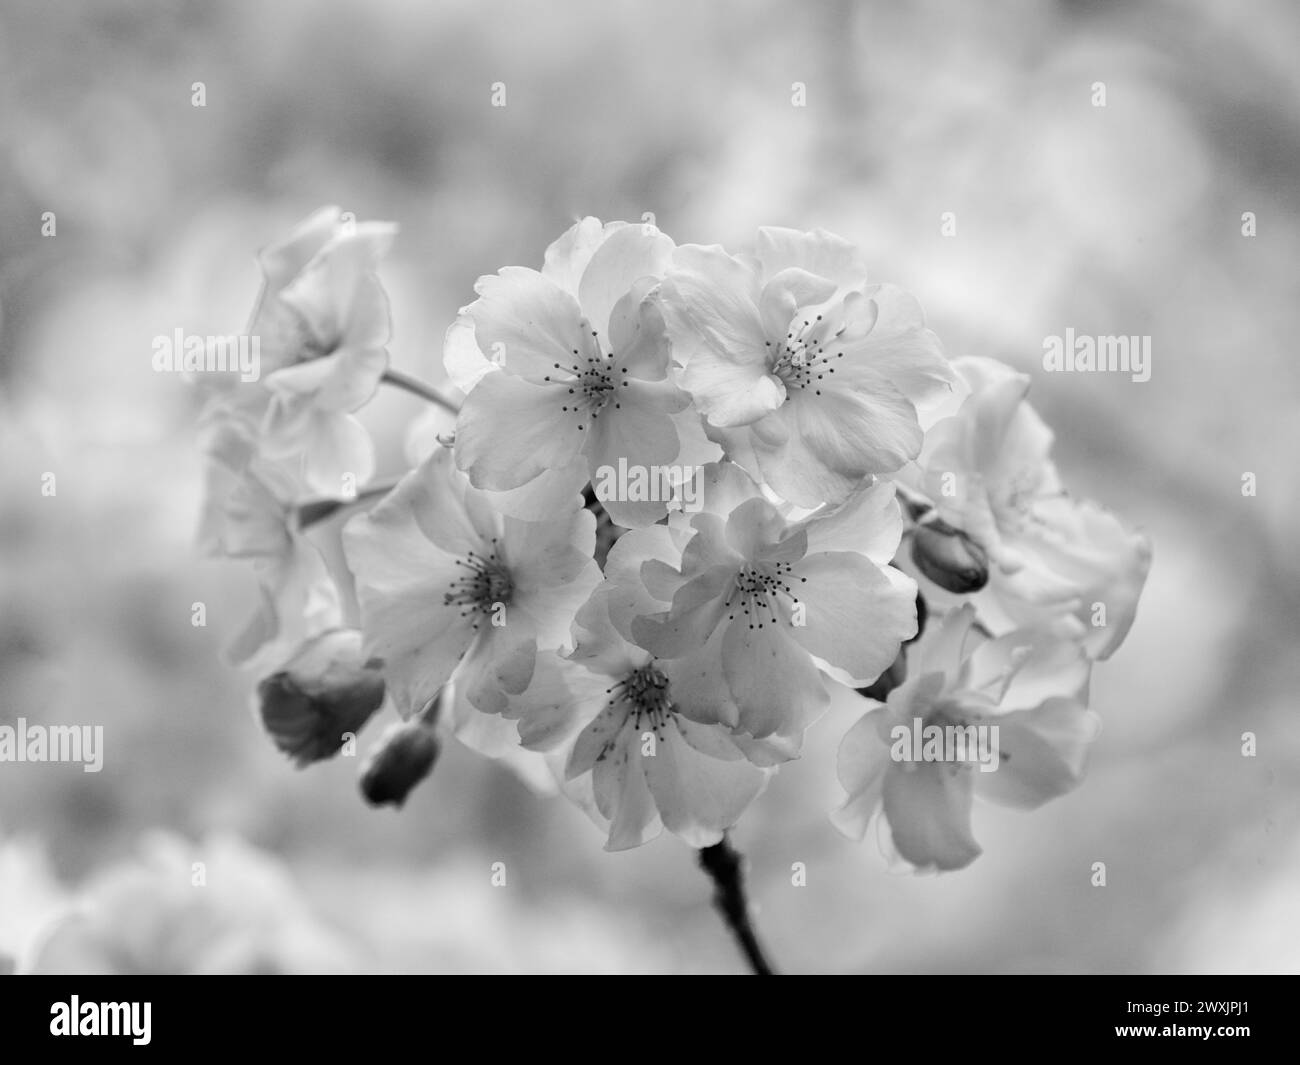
point(418, 388)
point(725, 866)
point(914, 505)
point(319, 510)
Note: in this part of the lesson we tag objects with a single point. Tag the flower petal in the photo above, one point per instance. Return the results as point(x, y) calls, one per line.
point(401, 579)
point(710, 307)
point(638, 335)
point(526, 323)
point(1043, 752)
point(560, 699)
point(626, 594)
point(771, 678)
point(698, 797)
point(855, 617)
point(341, 273)
point(510, 430)
point(785, 294)
point(282, 261)
point(868, 521)
point(448, 511)
point(817, 252)
point(551, 494)
point(338, 454)
point(928, 808)
point(568, 255)
point(885, 335)
point(861, 765)
point(499, 664)
point(623, 796)
point(465, 362)
point(553, 572)
point(630, 449)
point(838, 438)
point(627, 255)
point(699, 684)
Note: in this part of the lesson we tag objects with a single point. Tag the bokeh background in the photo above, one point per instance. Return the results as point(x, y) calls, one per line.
point(1123, 219)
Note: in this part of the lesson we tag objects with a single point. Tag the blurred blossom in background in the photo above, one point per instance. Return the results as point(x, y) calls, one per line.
point(1123, 219)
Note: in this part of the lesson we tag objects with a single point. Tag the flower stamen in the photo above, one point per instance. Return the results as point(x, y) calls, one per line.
point(644, 692)
point(757, 591)
point(801, 359)
point(590, 380)
point(485, 584)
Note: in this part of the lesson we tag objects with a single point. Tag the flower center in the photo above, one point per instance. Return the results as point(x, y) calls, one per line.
point(309, 346)
point(801, 360)
point(1013, 501)
point(757, 593)
point(644, 692)
point(483, 584)
point(590, 379)
point(964, 726)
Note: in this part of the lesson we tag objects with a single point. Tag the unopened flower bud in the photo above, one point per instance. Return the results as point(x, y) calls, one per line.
point(949, 557)
point(403, 757)
point(325, 693)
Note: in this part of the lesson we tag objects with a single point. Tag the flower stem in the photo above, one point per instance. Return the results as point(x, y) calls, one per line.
point(914, 505)
point(725, 867)
point(418, 388)
point(318, 510)
point(257, 307)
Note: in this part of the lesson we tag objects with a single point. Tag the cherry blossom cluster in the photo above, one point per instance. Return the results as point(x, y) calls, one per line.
point(691, 497)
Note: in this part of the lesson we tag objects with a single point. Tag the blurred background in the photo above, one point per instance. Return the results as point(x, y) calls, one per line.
point(1122, 219)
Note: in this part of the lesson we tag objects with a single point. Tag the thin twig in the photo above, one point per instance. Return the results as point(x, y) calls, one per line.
point(725, 867)
point(257, 308)
point(418, 388)
point(320, 509)
point(915, 505)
